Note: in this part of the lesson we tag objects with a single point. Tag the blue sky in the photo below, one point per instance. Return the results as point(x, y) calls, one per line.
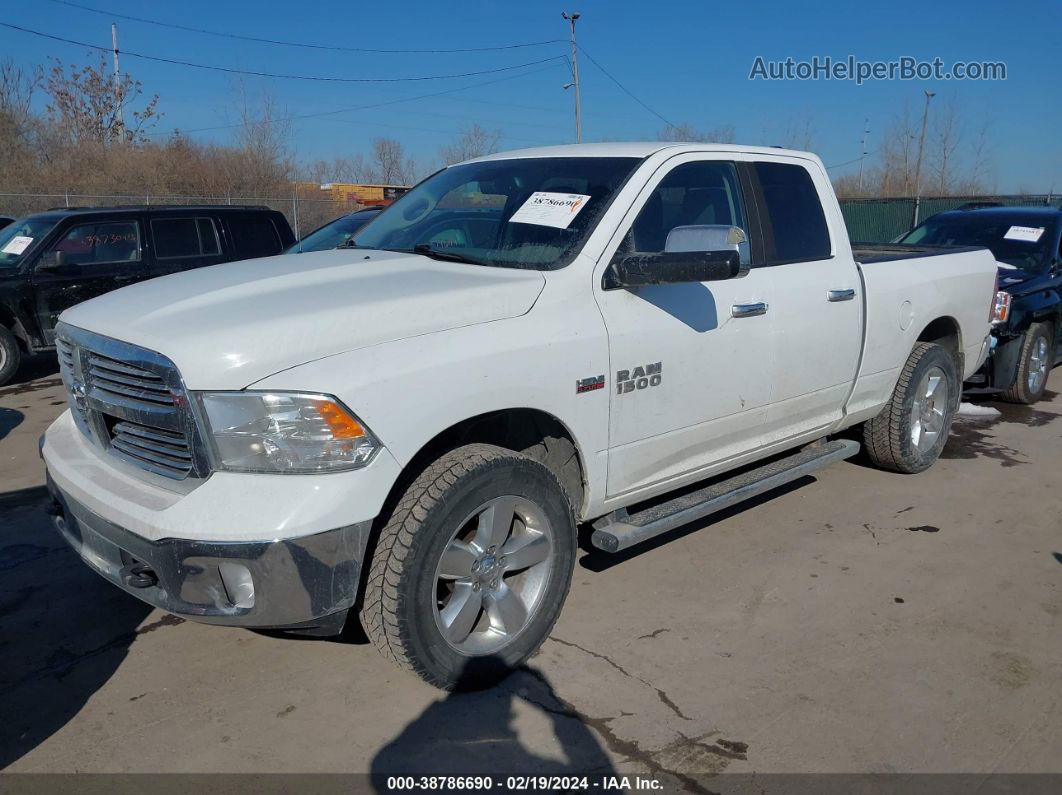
point(688, 61)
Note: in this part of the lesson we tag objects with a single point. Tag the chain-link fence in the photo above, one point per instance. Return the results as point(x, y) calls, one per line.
point(884, 220)
point(868, 220)
point(304, 214)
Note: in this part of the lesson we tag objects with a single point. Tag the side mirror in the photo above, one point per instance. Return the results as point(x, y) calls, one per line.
point(701, 253)
point(673, 267)
point(52, 259)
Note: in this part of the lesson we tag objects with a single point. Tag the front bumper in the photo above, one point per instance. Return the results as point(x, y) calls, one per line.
point(1000, 368)
point(307, 582)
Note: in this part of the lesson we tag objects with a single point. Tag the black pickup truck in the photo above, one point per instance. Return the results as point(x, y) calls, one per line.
point(1027, 244)
point(53, 260)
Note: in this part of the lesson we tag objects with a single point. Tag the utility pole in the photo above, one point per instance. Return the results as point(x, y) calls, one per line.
point(922, 145)
point(117, 81)
point(863, 150)
point(575, 75)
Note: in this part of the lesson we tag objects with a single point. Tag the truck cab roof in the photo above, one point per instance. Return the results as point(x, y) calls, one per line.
point(639, 149)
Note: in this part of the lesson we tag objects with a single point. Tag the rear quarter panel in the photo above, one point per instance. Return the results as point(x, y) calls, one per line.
point(902, 298)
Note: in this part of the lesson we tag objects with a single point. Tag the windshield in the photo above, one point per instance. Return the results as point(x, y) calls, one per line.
point(1021, 241)
point(334, 234)
point(18, 238)
point(515, 213)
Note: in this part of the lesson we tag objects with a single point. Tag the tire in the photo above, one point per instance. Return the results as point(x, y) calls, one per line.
point(451, 619)
point(1034, 365)
point(10, 355)
point(903, 439)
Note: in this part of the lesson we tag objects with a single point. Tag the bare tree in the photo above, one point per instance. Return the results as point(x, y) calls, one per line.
point(946, 138)
point(798, 132)
point(897, 154)
point(389, 164)
point(17, 86)
point(86, 104)
point(687, 132)
point(472, 141)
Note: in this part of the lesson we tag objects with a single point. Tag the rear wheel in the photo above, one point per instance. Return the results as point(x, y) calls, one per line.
point(911, 430)
point(10, 355)
point(472, 568)
point(1034, 365)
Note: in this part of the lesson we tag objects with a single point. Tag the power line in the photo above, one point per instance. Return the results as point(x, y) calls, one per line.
point(845, 163)
point(284, 43)
point(370, 106)
point(314, 78)
point(853, 160)
point(625, 90)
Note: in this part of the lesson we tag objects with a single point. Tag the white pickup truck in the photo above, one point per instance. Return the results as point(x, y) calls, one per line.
point(411, 428)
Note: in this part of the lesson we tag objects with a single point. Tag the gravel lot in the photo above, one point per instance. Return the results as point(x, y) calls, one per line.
point(857, 621)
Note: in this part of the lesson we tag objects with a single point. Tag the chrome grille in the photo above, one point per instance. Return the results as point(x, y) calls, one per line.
point(156, 449)
point(126, 381)
point(66, 354)
point(131, 403)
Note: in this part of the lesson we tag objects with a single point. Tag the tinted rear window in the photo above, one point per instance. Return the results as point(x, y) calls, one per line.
point(254, 236)
point(184, 237)
point(795, 212)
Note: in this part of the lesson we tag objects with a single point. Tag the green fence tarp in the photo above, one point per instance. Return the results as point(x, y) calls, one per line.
point(884, 220)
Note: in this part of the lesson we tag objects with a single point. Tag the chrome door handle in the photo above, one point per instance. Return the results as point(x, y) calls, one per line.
point(748, 310)
point(840, 295)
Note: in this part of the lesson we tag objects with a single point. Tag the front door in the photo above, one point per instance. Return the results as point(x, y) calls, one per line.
point(691, 363)
point(88, 259)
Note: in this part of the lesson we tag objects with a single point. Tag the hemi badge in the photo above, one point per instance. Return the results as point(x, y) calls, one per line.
point(589, 384)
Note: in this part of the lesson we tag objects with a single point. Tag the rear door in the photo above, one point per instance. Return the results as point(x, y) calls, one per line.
point(183, 241)
point(815, 297)
point(87, 259)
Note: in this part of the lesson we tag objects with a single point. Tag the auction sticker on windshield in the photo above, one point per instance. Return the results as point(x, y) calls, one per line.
point(16, 245)
point(1030, 234)
point(550, 209)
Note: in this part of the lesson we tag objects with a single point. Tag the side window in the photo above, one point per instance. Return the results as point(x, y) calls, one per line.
point(184, 237)
point(98, 243)
point(254, 236)
point(794, 210)
point(703, 198)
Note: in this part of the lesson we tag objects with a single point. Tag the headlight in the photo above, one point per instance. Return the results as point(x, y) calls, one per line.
point(285, 432)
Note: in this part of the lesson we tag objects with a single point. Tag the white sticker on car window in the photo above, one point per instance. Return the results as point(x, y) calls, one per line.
point(17, 244)
point(550, 209)
point(1030, 234)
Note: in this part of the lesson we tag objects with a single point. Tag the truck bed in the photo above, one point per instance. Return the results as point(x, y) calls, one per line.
point(883, 252)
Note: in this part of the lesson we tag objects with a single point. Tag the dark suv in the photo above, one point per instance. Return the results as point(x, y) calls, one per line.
point(55, 259)
point(1027, 244)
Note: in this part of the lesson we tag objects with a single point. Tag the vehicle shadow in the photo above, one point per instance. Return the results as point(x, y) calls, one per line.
point(691, 303)
point(31, 369)
point(476, 733)
point(63, 629)
point(9, 420)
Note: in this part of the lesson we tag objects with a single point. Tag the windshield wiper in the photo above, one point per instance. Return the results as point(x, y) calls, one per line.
point(426, 250)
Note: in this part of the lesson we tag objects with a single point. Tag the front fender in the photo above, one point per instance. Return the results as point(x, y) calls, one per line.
point(409, 391)
point(1033, 308)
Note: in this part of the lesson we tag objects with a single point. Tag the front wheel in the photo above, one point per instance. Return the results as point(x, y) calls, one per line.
point(1034, 365)
point(472, 568)
point(911, 430)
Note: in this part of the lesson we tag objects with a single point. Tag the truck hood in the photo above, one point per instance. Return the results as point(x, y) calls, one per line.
point(1012, 278)
point(227, 326)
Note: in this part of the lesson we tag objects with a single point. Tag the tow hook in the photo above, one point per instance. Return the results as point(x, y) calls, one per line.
point(139, 575)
